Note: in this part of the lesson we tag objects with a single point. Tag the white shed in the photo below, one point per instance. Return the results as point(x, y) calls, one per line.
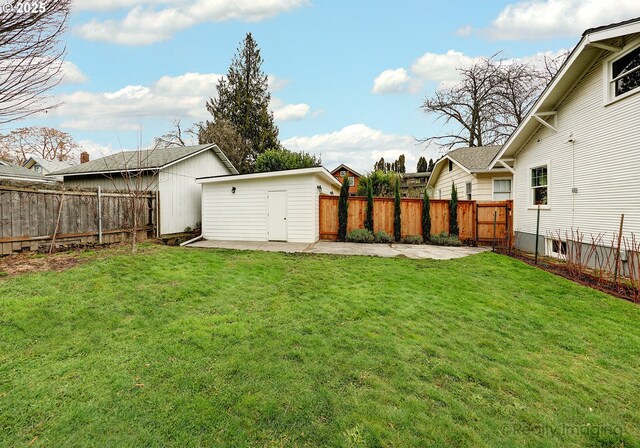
point(273, 206)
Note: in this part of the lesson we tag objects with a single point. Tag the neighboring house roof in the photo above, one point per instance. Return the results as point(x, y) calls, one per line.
point(594, 42)
point(416, 175)
point(48, 165)
point(151, 159)
point(342, 166)
point(271, 174)
point(8, 171)
point(474, 159)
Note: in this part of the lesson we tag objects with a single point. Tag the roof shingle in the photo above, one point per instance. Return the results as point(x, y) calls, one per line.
point(476, 158)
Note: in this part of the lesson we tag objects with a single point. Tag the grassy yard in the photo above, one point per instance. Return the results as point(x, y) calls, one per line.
point(179, 347)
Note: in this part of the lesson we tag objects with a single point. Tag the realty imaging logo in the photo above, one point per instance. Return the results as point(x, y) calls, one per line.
point(564, 430)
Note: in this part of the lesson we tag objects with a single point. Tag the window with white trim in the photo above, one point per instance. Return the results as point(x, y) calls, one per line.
point(501, 189)
point(37, 168)
point(343, 173)
point(467, 190)
point(352, 181)
point(625, 73)
point(557, 248)
point(539, 185)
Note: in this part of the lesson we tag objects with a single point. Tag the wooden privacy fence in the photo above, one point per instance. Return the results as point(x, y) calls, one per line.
point(475, 219)
point(31, 218)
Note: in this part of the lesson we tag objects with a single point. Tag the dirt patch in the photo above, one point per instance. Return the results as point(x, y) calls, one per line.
point(30, 262)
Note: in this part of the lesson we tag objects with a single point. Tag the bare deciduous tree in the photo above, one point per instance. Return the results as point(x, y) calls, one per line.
point(47, 143)
point(225, 135)
point(30, 55)
point(175, 137)
point(491, 100)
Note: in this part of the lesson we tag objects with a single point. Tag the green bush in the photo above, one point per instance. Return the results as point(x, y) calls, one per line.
point(412, 239)
point(383, 237)
point(444, 239)
point(360, 236)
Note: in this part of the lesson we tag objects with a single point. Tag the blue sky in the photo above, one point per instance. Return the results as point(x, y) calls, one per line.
point(348, 77)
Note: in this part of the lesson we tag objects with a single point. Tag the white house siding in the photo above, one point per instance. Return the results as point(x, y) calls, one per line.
point(484, 185)
point(603, 164)
point(243, 215)
point(180, 195)
point(457, 175)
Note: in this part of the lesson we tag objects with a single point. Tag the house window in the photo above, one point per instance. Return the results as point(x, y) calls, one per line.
point(558, 248)
point(539, 185)
point(450, 165)
point(625, 73)
point(37, 169)
point(352, 181)
point(501, 189)
point(467, 190)
point(343, 173)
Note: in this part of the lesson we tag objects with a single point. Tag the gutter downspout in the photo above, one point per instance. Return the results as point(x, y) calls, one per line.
point(192, 240)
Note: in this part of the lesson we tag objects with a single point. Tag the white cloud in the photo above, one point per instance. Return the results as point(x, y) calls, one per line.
point(276, 84)
point(558, 18)
point(71, 74)
point(289, 112)
point(440, 67)
point(359, 146)
point(109, 5)
point(395, 81)
point(144, 24)
point(170, 97)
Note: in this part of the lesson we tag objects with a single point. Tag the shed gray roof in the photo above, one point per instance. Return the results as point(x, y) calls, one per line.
point(476, 158)
point(149, 159)
point(49, 165)
point(8, 170)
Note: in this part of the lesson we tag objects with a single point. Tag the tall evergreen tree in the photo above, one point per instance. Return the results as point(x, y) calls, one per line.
point(397, 222)
point(426, 217)
point(453, 211)
point(243, 101)
point(400, 167)
point(368, 222)
point(431, 165)
point(422, 165)
point(343, 209)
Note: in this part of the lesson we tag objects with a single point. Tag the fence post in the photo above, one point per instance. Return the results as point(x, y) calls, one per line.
point(537, 233)
point(99, 215)
point(615, 269)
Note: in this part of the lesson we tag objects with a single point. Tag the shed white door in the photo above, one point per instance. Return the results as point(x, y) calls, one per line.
point(277, 215)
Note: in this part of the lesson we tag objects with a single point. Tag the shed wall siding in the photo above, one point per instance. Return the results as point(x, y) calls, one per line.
point(243, 215)
point(603, 164)
point(180, 195)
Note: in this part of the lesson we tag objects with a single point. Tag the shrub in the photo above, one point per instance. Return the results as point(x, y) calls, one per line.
point(426, 217)
point(360, 236)
point(412, 239)
point(343, 209)
point(383, 237)
point(397, 223)
point(444, 239)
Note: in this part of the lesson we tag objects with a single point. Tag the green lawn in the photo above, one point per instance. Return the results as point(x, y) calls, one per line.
point(182, 347)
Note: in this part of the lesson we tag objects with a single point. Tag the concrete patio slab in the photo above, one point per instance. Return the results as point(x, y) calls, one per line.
point(415, 251)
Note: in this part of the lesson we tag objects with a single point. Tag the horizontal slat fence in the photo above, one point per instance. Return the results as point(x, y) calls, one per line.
point(472, 218)
point(30, 217)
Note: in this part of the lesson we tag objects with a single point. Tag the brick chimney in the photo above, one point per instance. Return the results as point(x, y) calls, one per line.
point(84, 157)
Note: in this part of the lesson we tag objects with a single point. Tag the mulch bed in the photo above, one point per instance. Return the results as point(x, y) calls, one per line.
point(611, 288)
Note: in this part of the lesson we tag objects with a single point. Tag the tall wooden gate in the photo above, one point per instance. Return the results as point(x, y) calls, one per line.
point(494, 223)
